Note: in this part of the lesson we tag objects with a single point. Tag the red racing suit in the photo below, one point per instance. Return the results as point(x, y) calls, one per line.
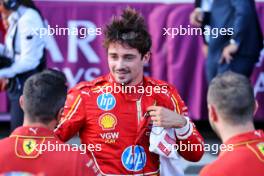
point(242, 154)
point(119, 123)
point(37, 150)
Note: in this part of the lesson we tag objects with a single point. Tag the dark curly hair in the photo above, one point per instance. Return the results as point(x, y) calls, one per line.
point(129, 29)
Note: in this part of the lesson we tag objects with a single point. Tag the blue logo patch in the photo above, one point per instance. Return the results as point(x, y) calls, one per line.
point(106, 101)
point(134, 158)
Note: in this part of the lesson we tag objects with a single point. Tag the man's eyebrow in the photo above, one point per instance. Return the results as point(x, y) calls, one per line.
point(129, 55)
point(125, 55)
point(112, 53)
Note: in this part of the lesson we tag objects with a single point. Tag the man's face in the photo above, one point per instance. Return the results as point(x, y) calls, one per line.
point(126, 63)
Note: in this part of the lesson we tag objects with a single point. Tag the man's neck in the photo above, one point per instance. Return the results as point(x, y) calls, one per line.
point(135, 83)
point(132, 83)
point(230, 131)
point(27, 122)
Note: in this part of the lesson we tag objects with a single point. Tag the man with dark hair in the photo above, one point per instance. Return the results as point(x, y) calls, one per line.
point(48, 100)
point(103, 112)
point(29, 148)
point(231, 105)
point(129, 30)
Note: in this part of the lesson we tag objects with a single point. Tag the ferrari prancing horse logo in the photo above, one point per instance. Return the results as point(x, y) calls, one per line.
point(29, 146)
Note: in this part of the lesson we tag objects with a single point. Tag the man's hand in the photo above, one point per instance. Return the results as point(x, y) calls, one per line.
point(227, 53)
point(3, 84)
point(196, 17)
point(166, 118)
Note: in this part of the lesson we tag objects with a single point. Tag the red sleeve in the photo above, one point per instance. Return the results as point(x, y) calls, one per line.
point(188, 135)
point(194, 143)
point(73, 116)
point(86, 166)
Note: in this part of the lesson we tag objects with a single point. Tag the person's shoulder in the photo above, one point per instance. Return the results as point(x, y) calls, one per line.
point(7, 144)
point(156, 82)
point(226, 163)
point(31, 12)
point(4, 141)
point(213, 169)
point(30, 16)
point(167, 88)
point(87, 86)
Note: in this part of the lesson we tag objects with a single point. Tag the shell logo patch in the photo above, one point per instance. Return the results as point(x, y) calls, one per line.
point(107, 121)
point(29, 146)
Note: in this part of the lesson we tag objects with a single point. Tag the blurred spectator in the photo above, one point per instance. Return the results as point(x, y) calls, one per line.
point(3, 29)
point(231, 107)
point(238, 50)
point(23, 49)
point(200, 18)
point(29, 148)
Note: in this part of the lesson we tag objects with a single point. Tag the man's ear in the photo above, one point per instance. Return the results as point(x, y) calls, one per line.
point(212, 113)
point(146, 57)
point(21, 102)
point(256, 107)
